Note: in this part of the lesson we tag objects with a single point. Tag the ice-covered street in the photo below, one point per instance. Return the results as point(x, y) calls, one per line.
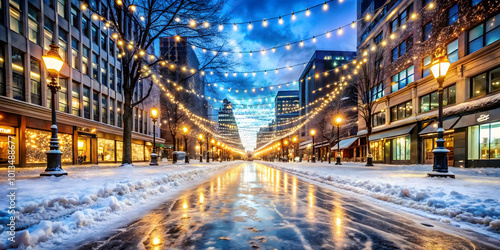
point(255, 206)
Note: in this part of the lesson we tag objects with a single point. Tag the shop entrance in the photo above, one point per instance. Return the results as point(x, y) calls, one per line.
point(84, 149)
point(430, 144)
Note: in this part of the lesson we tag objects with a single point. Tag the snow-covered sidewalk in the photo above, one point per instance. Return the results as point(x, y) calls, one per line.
point(472, 199)
point(52, 207)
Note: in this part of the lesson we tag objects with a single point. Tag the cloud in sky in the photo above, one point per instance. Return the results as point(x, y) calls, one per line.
point(338, 14)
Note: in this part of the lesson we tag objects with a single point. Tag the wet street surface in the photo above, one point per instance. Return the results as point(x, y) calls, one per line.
point(254, 206)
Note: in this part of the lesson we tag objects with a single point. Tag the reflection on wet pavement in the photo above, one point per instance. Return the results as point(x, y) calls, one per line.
point(254, 206)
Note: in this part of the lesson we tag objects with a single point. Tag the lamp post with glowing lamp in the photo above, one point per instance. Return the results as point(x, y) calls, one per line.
point(439, 68)
point(338, 121)
point(53, 62)
point(295, 141)
point(218, 153)
point(154, 155)
point(185, 130)
point(313, 133)
point(200, 140)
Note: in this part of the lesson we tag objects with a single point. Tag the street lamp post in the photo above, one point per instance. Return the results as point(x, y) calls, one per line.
point(53, 62)
point(313, 132)
point(186, 130)
point(200, 138)
point(439, 68)
point(208, 149)
point(154, 155)
point(338, 120)
point(285, 144)
point(218, 152)
point(213, 145)
point(295, 146)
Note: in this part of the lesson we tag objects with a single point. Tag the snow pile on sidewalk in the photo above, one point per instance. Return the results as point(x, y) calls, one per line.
point(50, 206)
point(473, 197)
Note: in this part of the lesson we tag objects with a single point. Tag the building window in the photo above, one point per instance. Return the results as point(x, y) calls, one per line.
point(95, 68)
point(430, 101)
point(452, 51)
point(402, 79)
point(402, 48)
point(453, 14)
point(119, 81)
point(136, 120)
point(85, 60)
point(75, 96)
point(141, 117)
point(74, 16)
point(401, 19)
point(61, 8)
point(484, 141)
point(33, 24)
point(378, 39)
point(427, 31)
point(104, 109)
point(2, 71)
point(63, 44)
point(112, 77)
point(104, 40)
point(49, 3)
point(485, 83)
point(86, 102)
point(377, 148)
point(36, 86)
point(484, 34)
point(93, 4)
point(401, 148)
point(426, 69)
point(394, 25)
point(95, 38)
point(377, 92)
point(104, 73)
point(112, 112)
point(85, 26)
point(475, 2)
point(378, 119)
point(95, 106)
point(47, 33)
point(37, 143)
point(401, 111)
point(395, 54)
point(112, 47)
point(16, 17)
point(145, 123)
point(63, 95)
point(119, 114)
point(106, 150)
point(74, 53)
point(18, 88)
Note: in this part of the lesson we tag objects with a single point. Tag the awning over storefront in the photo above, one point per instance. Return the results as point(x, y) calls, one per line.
point(304, 144)
point(345, 143)
point(479, 118)
point(392, 133)
point(432, 128)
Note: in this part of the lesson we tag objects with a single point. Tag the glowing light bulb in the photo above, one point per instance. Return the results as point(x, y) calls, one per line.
point(132, 8)
point(251, 53)
point(293, 16)
point(250, 25)
point(192, 23)
point(314, 39)
point(273, 49)
point(177, 19)
point(264, 23)
point(288, 46)
point(301, 43)
point(328, 35)
point(235, 27)
point(353, 25)
point(325, 6)
point(340, 31)
point(280, 20)
point(368, 17)
point(221, 27)
point(308, 12)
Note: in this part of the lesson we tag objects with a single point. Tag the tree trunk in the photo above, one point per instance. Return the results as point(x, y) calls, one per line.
point(127, 134)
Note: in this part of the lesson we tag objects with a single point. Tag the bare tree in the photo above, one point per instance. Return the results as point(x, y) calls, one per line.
point(369, 76)
point(138, 24)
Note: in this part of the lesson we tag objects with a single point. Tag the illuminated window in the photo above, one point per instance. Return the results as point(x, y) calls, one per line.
point(75, 99)
point(36, 87)
point(453, 14)
point(33, 24)
point(18, 89)
point(402, 79)
point(484, 141)
point(401, 148)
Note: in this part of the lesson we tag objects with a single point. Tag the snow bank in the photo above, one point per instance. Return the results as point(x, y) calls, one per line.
point(472, 198)
point(65, 212)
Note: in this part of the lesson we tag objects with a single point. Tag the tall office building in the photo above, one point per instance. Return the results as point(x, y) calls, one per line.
point(266, 134)
point(89, 103)
point(286, 105)
point(228, 128)
point(404, 124)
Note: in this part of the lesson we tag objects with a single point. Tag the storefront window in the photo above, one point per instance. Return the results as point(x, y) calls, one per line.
point(401, 148)
point(4, 143)
point(106, 150)
point(119, 151)
point(430, 144)
point(38, 142)
point(83, 149)
point(377, 148)
point(138, 152)
point(149, 149)
point(484, 141)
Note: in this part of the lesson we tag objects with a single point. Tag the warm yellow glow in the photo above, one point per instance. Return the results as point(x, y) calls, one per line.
point(185, 129)
point(440, 67)
point(200, 136)
point(52, 62)
point(308, 12)
point(338, 120)
point(192, 23)
point(154, 112)
point(280, 21)
point(313, 132)
point(132, 7)
point(325, 6)
point(221, 27)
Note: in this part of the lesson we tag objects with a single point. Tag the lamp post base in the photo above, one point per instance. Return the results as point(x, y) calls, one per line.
point(442, 175)
point(338, 161)
point(313, 160)
point(56, 173)
point(186, 159)
point(54, 162)
point(201, 158)
point(154, 160)
point(369, 162)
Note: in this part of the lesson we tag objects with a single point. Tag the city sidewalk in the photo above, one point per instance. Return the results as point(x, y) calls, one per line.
point(470, 200)
point(92, 196)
